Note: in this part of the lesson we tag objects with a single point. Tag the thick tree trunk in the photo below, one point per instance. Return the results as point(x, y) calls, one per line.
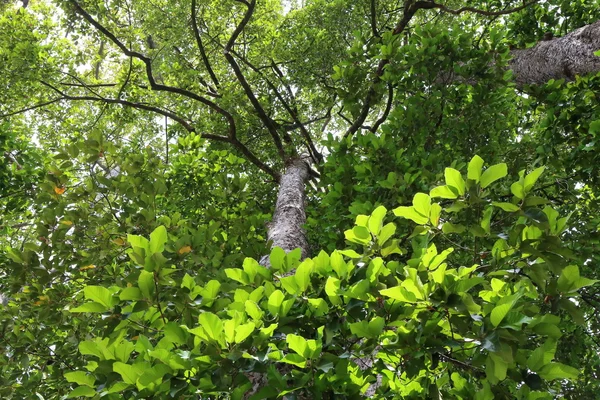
point(286, 228)
point(558, 58)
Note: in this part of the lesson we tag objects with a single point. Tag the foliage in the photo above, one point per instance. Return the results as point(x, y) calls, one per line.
point(140, 148)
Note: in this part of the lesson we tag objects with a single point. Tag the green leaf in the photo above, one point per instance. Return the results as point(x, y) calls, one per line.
point(212, 324)
point(82, 391)
point(274, 303)
point(174, 333)
point(444, 192)
point(243, 331)
point(128, 372)
point(510, 207)
point(502, 308)
point(557, 370)
point(376, 220)
point(237, 275)
point(454, 179)
point(386, 232)
point(517, 190)
point(99, 294)
point(158, 238)
point(532, 178)
point(277, 258)
point(474, 169)
point(153, 374)
point(492, 174)
point(297, 343)
point(90, 307)
point(410, 213)
point(80, 378)
point(131, 293)
point(146, 284)
point(422, 204)
point(138, 241)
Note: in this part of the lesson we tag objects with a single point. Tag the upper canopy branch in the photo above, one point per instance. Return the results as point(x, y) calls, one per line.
point(431, 4)
point(200, 45)
point(269, 123)
point(149, 73)
point(410, 9)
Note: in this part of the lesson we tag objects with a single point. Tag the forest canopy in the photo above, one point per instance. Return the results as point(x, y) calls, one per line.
point(303, 199)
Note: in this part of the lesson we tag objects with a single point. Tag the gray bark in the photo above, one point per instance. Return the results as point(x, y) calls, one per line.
point(286, 228)
point(558, 58)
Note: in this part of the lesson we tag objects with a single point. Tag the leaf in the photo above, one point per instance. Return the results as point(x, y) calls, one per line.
point(557, 370)
point(532, 178)
point(386, 232)
point(422, 204)
point(127, 372)
point(243, 331)
point(212, 324)
point(90, 307)
point(158, 238)
point(410, 213)
point(274, 303)
point(184, 250)
point(454, 179)
point(474, 169)
point(237, 275)
point(80, 378)
point(174, 333)
point(82, 391)
point(492, 174)
point(444, 192)
point(502, 308)
point(146, 283)
point(297, 343)
point(517, 190)
point(277, 258)
point(153, 374)
point(376, 220)
point(130, 293)
point(99, 294)
point(510, 207)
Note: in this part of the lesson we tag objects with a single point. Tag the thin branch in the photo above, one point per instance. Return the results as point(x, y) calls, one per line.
point(149, 74)
point(430, 5)
point(410, 8)
point(269, 123)
point(213, 77)
point(139, 106)
point(23, 110)
point(374, 19)
point(386, 112)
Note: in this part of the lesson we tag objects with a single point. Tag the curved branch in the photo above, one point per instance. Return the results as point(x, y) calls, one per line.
point(213, 77)
point(139, 106)
point(269, 123)
point(149, 74)
point(387, 110)
point(431, 5)
point(410, 8)
point(23, 110)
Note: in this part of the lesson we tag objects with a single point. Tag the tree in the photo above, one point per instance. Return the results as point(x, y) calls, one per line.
point(151, 143)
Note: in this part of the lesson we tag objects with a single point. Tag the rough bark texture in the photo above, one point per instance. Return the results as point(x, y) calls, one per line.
point(559, 58)
point(285, 230)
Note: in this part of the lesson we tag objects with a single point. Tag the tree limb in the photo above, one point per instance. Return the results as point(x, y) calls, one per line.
point(213, 77)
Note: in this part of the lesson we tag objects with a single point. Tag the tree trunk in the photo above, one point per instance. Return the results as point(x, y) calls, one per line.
point(558, 58)
point(286, 228)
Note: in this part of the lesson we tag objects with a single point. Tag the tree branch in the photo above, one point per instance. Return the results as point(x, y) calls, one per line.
point(269, 123)
point(431, 5)
point(149, 74)
point(213, 77)
point(23, 110)
point(387, 110)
